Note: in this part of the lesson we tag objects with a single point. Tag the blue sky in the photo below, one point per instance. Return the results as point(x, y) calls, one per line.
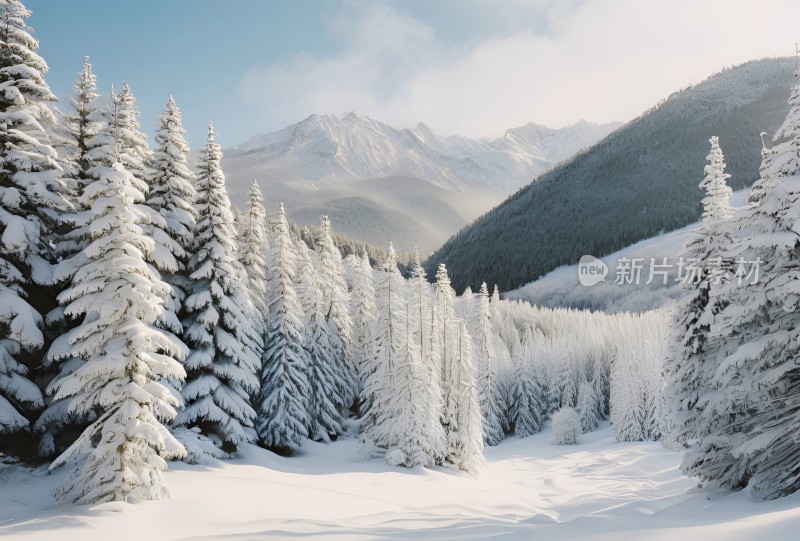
point(475, 67)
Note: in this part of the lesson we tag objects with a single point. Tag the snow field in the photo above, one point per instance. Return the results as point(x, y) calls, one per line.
point(529, 489)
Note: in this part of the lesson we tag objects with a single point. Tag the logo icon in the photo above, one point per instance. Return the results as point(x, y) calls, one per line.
point(591, 271)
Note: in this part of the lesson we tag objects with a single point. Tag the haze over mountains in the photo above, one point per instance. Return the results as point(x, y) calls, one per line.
point(640, 181)
point(379, 183)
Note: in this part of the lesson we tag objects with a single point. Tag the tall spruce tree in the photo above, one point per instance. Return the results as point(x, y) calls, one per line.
point(282, 400)
point(119, 296)
point(335, 300)
point(363, 314)
point(30, 201)
point(382, 431)
point(752, 413)
point(254, 245)
point(326, 395)
point(172, 195)
point(462, 412)
point(221, 368)
point(485, 360)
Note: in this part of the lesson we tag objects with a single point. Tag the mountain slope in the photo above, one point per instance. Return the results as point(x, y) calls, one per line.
point(637, 182)
point(410, 186)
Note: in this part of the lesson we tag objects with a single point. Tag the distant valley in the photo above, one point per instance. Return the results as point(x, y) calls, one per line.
point(379, 183)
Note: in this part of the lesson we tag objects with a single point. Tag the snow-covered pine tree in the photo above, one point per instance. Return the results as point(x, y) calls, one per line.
point(444, 331)
point(221, 368)
point(120, 456)
point(335, 300)
point(422, 323)
point(76, 138)
point(587, 407)
point(172, 195)
point(627, 400)
point(253, 248)
point(420, 433)
point(687, 367)
point(462, 412)
point(491, 407)
point(30, 202)
point(326, 388)
point(133, 151)
point(282, 399)
point(566, 427)
point(753, 413)
point(528, 408)
point(363, 314)
point(380, 431)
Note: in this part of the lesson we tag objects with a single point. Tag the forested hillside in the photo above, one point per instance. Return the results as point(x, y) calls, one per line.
point(639, 181)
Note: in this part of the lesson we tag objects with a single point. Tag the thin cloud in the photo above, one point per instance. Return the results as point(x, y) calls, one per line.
point(599, 60)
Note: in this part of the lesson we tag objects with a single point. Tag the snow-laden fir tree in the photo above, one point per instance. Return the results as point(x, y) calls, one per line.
point(637, 381)
point(379, 429)
point(326, 386)
point(335, 300)
point(462, 414)
point(221, 368)
point(282, 400)
point(76, 129)
point(444, 331)
point(588, 407)
point(753, 413)
point(491, 406)
point(527, 406)
point(133, 151)
point(119, 296)
point(690, 365)
point(30, 201)
point(363, 313)
point(414, 399)
point(253, 247)
point(173, 195)
point(422, 327)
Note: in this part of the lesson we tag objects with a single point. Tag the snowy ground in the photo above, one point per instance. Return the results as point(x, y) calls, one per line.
point(530, 489)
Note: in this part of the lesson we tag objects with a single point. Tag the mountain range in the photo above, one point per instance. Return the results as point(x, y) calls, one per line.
point(639, 181)
point(379, 183)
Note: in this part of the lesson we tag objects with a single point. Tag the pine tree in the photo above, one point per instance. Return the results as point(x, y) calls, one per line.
point(282, 400)
point(31, 200)
point(380, 431)
point(363, 311)
point(462, 413)
point(221, 368)
point(132, 149)
point(587, 407)
point(254, 247)
point(444, 332)
point(172, 195)
point(689, 366)
point(326, 399)
point(752, 413)
point(528, 408)
point(120, 456)
point(489, 397)
point(335, 300)
point(422, 327)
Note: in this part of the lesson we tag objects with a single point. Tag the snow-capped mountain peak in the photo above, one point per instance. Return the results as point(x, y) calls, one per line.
point(354, 146)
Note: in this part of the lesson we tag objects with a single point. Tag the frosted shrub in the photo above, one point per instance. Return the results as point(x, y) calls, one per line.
point(566, 427)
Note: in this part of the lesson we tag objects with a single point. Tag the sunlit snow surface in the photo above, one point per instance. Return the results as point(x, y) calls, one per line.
point(598, 489)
